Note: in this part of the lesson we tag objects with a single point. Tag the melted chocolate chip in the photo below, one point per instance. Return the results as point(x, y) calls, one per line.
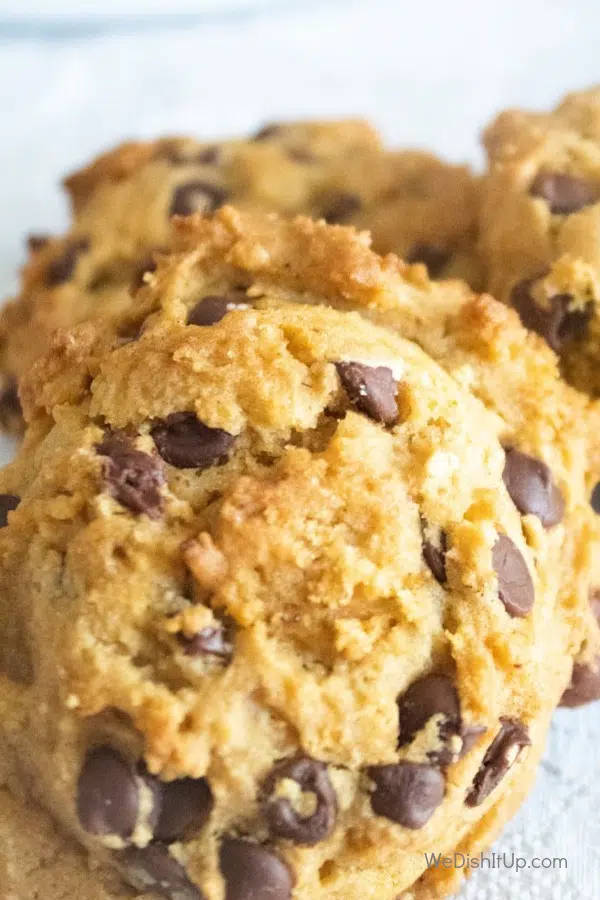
point(585, 685)
point(132, 477)
point(252, 872)
point(197, 197)
point(107, 794)
point(432, 695)
point(554, 322)
point(407, 793)
point(60, 269)
point(283, 819)
point(515, 585)
point(8, 502)
point(153, 869)
point(531, 488)
point(187, 443)
point(341, 208)
point(564, 194)
point(214, 307)
point(371, 389)
point(10, 405)
point(35, 242)
point(434, 257)
point(208, 642)
point(435, 557)
point(209, 156)
point(267, 132)
point(185, 807)
point(595, 499)
point(500, 757)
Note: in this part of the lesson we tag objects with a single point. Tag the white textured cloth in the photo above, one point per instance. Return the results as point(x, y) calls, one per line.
point(429, 74)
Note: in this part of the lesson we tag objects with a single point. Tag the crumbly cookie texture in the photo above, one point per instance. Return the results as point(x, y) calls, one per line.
point(540, 227)
point(413, 203)
point(271, 618)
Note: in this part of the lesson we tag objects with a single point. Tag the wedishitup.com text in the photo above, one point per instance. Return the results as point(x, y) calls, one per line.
point(493, 861)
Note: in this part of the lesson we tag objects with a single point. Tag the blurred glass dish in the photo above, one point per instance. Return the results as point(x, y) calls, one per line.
point(79, 12)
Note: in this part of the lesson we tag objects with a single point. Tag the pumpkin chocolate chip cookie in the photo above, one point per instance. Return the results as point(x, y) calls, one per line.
point(122, 202)
point(540, 222)
point(282, 625)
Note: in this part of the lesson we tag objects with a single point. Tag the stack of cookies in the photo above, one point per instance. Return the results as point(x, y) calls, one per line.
point(299, 551)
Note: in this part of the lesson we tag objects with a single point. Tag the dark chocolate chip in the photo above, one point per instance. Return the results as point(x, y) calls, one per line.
point(132, 477)
point(283, 819)
point(208, 642)
point(148, 264)
point(515, 585)
point(433, 256)
point(432, 695)
point(531, 488)
point(595, 499)
point(252, 872)
point(435, 557)
point(209, 156)
point(10, 405)
point(564, 194)
point(197, 197)
point(107, 794)
point(267, 132)
point(60, 269)
point(153, 869)
point(554, 322)
point(501, 755)
point(36, 242)
point(584, 686)
point(470, 734)
point(185, 807)
point(341, 208)
point(407, 793)
point(214, 307)
point(371, 389)
point(187, 443)
point(8, 502)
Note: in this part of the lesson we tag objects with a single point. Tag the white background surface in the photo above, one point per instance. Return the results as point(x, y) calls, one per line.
point(429, 74)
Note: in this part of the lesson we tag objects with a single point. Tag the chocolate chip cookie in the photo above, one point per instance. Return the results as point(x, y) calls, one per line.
point(540, 221)
point(272, 621)
point(122, 202)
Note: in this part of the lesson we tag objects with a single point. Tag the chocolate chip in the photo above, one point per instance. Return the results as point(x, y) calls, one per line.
point(371, 389)
point(595, 499)
point(432, 695)
point(187, 443)
point(214, 307)
point(470, 734)
point(185, 806)
point(501, 755)
point(301, 155)
point(584, 686)
point(35, 242)
point(196, 197)
point(10, 405)
point(283, 819)
point(107, 794)
point(435, 557)
point(407, 793)
point(132, 477)
point(564, 194)
point(8, 502)
point(341, 208)
point(208, 642)
point(267, 132)
point(515, 585)
point(432, 255)
point(554, 322)
point(252, 872)
point(153, 869)
point(595, 604)
point(209, 156)
point(148, 264)
point(62, 267)
point(531, 488)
